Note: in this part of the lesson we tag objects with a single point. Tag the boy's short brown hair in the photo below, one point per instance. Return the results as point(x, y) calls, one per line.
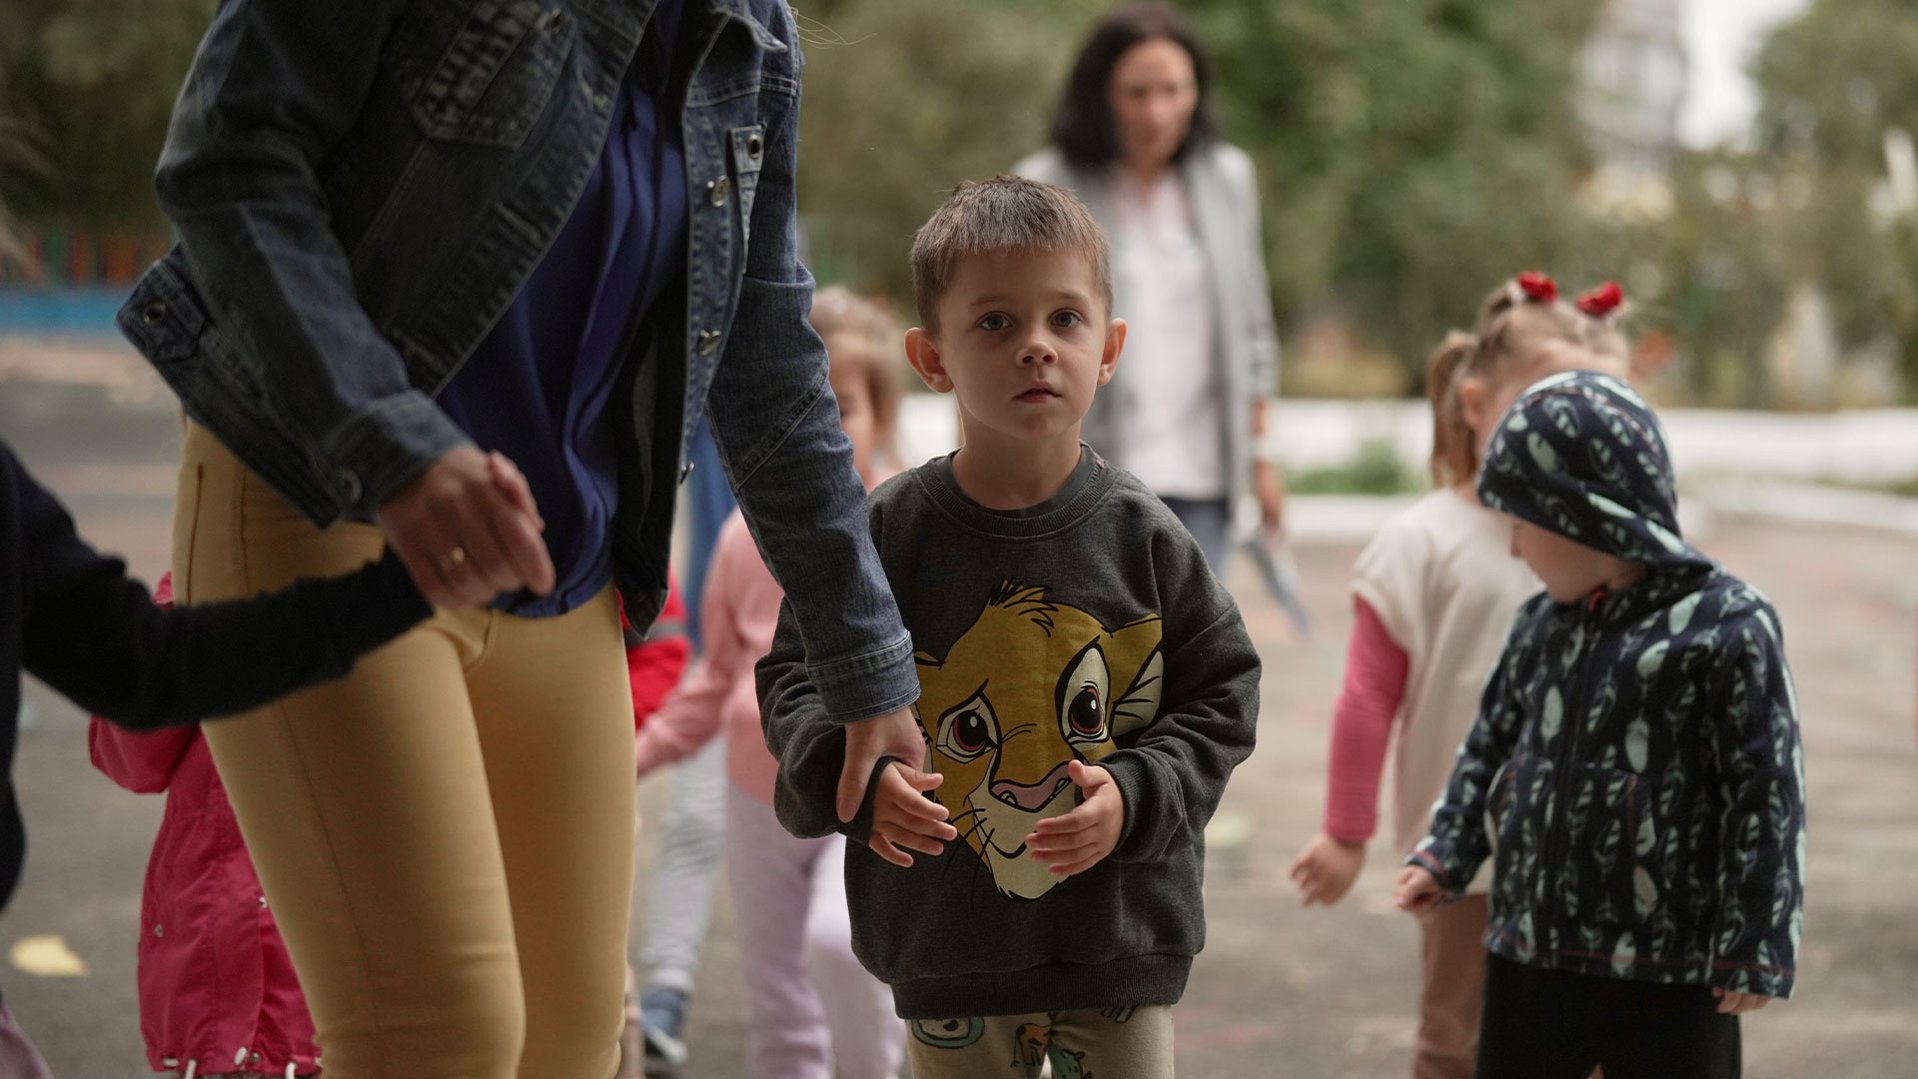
point(1005, 213)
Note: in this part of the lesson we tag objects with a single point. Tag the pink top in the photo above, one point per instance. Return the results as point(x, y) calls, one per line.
point(216, 984)
point(737, 614)
point(1375, 674)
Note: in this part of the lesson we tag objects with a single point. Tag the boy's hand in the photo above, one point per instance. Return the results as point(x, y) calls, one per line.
point(903, 817)
point(1075, 842)
point(1733, 1002)
point(1325, 869)
point(1418, 890)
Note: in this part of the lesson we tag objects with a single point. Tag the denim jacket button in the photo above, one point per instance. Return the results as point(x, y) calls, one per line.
point(717, 190)
point(153, 313)
point(708, 341)
point(348, 485)
point(551, 20)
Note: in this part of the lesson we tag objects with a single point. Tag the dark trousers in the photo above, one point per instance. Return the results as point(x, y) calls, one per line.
point(1551, 1024)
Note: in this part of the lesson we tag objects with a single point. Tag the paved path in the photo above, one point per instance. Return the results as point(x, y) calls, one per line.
point(1280, 991)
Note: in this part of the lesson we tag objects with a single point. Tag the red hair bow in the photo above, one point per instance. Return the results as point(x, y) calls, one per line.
point(1538, 286)
point(1602, 300)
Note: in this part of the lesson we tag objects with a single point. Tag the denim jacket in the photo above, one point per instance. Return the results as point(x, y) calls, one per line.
point(359, 191)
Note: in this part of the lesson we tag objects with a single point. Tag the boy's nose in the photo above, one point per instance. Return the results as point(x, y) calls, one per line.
point(1038, 350)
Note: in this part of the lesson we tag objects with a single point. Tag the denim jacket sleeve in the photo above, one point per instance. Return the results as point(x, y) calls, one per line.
point(275, 85)
point(794, 477)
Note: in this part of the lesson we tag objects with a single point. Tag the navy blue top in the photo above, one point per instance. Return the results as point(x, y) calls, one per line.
point(538, 387)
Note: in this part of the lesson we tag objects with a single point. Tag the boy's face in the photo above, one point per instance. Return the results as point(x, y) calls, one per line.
point(1023, 342)
point(1570, 570)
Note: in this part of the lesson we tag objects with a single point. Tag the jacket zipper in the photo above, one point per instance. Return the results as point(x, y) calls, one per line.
point(1560, 840)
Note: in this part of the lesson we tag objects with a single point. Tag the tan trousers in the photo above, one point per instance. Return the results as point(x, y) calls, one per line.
point(1451, 990)
point(446, 836)
point(1120, 1043)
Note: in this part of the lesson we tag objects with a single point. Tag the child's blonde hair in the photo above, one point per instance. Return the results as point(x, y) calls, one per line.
point(837, 311)
point(1003, 214)
point(1517, 323)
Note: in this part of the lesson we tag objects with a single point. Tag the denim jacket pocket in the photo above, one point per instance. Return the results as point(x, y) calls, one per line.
point(480, 73)
point(748, 153)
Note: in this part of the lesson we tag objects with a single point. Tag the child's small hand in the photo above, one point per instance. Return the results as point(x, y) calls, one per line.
point(1075, 842)
point(1418, 890)
point(1733, 1002)
point(903, 817)
point(1325, 869)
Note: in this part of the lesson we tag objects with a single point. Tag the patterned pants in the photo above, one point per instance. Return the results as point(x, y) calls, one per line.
point(1119, 1043)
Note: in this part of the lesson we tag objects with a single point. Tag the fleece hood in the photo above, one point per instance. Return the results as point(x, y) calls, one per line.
point(1580, 454)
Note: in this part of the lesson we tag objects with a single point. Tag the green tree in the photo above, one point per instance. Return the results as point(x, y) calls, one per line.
point(1412, 152)
point(98, 78)
point(1832, 84)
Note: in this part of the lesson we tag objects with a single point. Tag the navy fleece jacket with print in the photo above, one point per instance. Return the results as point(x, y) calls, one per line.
point(1637, 752)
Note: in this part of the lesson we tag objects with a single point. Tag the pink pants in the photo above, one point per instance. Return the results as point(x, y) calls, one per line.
point(18, 1058)
point(1451, 989)
point(812, 1011)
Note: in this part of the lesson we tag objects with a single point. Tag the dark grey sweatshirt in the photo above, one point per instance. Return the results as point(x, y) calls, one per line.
point(1087, 628)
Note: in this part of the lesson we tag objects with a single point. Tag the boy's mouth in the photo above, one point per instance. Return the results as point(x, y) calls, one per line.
point(1039, 393)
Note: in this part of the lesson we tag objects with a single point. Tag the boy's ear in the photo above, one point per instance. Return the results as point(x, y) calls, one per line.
point(1115, 344)
point(923, 353)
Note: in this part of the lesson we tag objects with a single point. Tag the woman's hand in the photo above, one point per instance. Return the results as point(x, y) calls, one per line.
point(1269, 484)
point(467, 530)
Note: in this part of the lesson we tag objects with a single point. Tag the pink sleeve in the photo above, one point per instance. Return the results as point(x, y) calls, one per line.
point(1375, 672)
point(695, 711)
point(142, 762)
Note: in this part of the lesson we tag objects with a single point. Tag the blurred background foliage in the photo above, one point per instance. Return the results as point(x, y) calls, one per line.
point(1412, 153)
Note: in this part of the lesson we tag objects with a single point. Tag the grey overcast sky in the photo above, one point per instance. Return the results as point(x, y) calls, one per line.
point(1721, 36)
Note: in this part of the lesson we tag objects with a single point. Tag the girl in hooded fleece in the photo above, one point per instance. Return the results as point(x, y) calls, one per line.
point(1637, 754)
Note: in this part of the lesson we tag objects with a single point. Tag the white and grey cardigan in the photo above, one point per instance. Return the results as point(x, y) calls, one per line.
point(1223, 192)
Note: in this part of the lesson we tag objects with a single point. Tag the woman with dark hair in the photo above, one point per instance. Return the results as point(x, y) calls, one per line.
point(1136, 141)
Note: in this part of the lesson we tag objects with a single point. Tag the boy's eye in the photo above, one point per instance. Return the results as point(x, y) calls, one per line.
point(1067, 319)
point(994, 322)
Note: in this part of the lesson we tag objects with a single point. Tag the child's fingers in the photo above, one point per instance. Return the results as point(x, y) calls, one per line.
point(902, 835)
point(1057, 848)
point(1087, 776)
point(883, 847)
point(1072, 868)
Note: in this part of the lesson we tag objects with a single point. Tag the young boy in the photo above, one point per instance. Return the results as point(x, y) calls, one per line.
point(1086, 685)
point(1637, 750)
point(71, 617)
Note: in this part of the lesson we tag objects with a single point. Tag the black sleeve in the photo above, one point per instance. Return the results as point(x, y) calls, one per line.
point(1174, 775)
point(92, 633)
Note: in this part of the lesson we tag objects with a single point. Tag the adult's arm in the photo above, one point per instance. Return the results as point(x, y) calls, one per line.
point(274, 87)
point(1259, 323)
point(93, 634)
point(794, 477)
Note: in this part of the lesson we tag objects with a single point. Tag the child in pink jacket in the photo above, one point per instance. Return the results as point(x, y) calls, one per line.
point(812, 1011)
point(218, 996)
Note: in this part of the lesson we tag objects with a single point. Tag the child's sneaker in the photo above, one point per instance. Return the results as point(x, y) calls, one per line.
point(663, 1018)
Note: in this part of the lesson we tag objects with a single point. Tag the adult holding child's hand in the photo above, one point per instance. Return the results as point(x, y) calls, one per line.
point(460, 276)
point(467, 530)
